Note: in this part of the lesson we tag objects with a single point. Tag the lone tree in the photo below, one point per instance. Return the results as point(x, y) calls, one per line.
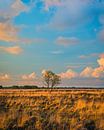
point(50, 79)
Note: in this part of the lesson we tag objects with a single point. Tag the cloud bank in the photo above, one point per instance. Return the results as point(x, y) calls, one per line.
point(88, 72)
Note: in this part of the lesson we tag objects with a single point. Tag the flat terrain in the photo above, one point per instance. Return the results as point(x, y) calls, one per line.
point(57, 109)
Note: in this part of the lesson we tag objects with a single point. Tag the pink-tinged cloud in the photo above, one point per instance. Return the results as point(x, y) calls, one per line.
point(87, 72)
point(101, 62)
point(15, 50)
point(98, 72)
point(9, 10)
point(29, 76)
point(67, 40)
point(68, 74)
point(94, 72)
point(8, 32)
point(4, 77)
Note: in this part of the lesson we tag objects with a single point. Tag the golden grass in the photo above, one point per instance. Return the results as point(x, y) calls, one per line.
point(72, 109)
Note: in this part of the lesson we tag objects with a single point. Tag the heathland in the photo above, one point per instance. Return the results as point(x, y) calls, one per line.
point(52, 109)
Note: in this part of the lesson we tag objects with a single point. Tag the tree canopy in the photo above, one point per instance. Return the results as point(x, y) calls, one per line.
point(50, 79)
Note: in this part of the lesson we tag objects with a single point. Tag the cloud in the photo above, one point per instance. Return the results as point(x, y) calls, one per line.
point(98, 72)
point(101, 62)
point(101, 55)
point(15, 50)
point(68, 74)
point(71, 14)
point(8, 32)
point(94, 72)
point(87, 72)
point(31, 76)
point(67, 40)
point(26, 79)
point(11, 8)
point(4, 77)
point(68, 15)
point(88, 56)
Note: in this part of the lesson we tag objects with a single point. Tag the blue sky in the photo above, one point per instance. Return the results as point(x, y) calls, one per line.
point(64, 36)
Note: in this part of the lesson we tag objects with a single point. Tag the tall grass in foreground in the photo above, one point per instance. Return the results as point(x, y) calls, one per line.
point(76, 110)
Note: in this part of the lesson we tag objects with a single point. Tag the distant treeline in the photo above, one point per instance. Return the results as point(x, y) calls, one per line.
point(37, 87)
point(20, 87)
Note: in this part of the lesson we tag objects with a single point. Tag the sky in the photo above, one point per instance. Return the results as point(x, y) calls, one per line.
point(64, 36)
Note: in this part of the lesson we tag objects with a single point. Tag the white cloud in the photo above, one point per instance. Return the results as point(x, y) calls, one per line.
point(15, 50)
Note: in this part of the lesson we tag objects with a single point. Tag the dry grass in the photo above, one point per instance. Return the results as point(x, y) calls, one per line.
point(73, 109)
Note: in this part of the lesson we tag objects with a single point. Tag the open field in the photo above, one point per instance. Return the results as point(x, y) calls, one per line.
point(57, 109)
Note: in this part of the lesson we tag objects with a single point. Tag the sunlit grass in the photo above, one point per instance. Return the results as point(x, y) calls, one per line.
point(52, 110)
